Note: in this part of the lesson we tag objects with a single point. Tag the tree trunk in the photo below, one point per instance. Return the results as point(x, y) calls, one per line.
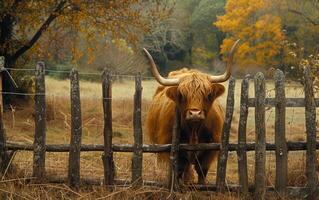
point(6, 26)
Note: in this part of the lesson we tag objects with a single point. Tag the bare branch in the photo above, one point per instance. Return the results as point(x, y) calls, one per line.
point(57, 11)
point(304, 16)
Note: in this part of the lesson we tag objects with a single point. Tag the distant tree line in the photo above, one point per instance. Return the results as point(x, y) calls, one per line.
point(92, 35)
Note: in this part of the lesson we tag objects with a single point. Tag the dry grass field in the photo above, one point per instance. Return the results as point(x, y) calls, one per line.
point(20, 128)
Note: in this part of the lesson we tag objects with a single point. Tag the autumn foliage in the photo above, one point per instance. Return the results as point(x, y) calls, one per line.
point(37, 27)
point(260, 32)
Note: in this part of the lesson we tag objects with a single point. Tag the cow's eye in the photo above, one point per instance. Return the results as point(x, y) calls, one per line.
point(181, 98)
point(210, 97)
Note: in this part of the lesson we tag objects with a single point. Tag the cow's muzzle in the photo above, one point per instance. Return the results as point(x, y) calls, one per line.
point(195, 115)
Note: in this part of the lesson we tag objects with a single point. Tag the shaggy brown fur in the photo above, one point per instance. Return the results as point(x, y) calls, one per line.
point(195, 91)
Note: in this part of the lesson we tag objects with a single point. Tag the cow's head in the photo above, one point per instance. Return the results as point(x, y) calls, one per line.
point(194, 95)
point(193, 91)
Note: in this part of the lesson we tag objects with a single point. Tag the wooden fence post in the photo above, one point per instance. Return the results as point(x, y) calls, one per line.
point(280, 134)
point(76, 131)
point(173, 180)
point(260, 149)
point(137, 160)
point(39, 144)
point(223, 154)
point(242, 125)
point(2, 65)
point(4, 157)
point(310, 111)
point(107, 157)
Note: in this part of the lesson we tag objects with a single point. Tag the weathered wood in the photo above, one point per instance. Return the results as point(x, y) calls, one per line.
point(4, 160)
point(40, 125)
point(174, 179)
point(242, 125)
point(250, 146)
point(108, 162)
point(310, 112)
point(260, 152)
point(290, 102)
point(223, 154)
point(76, 131)
point(2, 63)
point(5, 156)
point(137, 159)
point(280, 134)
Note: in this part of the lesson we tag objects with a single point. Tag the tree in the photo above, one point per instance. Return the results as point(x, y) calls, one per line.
point(202, 18)
point(187, 37)
point(259, 30)
point(24, 23)
point(307, 10)
point(300, 21)
point(170, 39)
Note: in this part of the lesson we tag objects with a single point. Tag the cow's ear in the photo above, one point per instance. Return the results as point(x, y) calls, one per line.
point(172, 93)
point(217, 90)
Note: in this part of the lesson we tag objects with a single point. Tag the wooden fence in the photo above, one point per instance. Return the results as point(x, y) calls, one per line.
point(281, 146)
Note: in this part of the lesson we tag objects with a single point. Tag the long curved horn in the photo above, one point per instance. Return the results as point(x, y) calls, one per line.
point(226, 75)
point(156, 74)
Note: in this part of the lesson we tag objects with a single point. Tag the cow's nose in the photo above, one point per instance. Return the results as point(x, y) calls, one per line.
point(194, 114)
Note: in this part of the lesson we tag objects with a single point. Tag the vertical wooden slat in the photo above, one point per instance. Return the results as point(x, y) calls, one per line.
point(138, 136)
point(4, 159)
point(107, 157)
point(260, 149)
point(223, 154)
point(280, 134)
point(173, 180)
point(39, 144)
point(76, 131)
point(242, 125)
point(2, 64)
point(310, 111)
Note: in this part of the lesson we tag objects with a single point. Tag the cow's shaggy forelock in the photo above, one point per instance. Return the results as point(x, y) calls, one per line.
point(195, 86)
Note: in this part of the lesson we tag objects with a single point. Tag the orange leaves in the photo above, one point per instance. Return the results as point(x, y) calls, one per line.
point(260, 32)
point(237, 12)
point(77, 55)
point(80, 23)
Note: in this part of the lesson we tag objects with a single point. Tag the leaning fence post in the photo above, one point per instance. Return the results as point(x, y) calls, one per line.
point(280, 134)
point(260, 149)
point(39, 144)
point(242, 125)
point(107, 157)
point(137, 159)
point(76, 131)
point(173, 180)
point(4, 158)
point(223, 154)
point(310, 111)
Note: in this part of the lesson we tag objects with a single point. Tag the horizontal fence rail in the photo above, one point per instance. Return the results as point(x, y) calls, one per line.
point(152, 148)
point(290, 102)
